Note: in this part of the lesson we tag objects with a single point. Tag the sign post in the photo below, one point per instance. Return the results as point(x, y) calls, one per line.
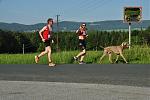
point(129, 36)
point(132, 14)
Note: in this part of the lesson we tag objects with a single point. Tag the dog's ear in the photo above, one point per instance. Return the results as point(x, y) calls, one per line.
point(125, 43)
point(122, 44)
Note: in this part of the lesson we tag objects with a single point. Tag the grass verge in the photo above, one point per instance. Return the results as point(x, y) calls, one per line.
point(137, 55)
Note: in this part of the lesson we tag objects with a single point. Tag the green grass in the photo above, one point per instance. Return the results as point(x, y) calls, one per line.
point(137, 55)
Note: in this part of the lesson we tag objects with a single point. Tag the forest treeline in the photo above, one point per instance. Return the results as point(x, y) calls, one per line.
point(12, 42)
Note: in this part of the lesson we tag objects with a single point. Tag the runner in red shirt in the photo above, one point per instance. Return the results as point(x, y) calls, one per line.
point(46, 36)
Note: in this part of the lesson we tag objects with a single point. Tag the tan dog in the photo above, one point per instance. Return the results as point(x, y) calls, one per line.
point(115, 49)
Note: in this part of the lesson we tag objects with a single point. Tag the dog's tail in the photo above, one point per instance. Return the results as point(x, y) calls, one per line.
point(101, 47)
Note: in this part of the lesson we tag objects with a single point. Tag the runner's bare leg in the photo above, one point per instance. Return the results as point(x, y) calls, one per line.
point(49, 54)
point(81, 53)
point(43, 53)
point(82, 57)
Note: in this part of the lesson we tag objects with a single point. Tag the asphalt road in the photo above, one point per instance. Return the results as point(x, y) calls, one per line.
point(115, 74)
point(29, 90)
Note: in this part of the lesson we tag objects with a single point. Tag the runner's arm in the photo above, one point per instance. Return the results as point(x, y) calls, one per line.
point(86, 34)
point(40, 32)
point(77, 31)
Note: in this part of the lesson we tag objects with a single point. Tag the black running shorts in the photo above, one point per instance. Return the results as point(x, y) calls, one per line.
point(82, 44)
point(47, 43)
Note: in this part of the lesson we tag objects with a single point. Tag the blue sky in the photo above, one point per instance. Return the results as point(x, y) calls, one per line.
point(37, 11)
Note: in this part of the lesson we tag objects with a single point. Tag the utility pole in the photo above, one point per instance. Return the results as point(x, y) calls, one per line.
point(57, 31)
point(23, 48)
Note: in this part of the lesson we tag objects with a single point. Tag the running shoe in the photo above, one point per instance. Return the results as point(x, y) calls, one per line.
point(81, 62)
point(51, 64)
point(36, 59)
point(75, 58)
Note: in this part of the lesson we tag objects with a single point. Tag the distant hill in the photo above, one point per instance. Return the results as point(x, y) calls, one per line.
point(71, 26)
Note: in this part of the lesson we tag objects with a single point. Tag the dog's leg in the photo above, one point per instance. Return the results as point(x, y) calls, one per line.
point(123, 57)
point(110, 58)
point(117, 58)
point(104, 54)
